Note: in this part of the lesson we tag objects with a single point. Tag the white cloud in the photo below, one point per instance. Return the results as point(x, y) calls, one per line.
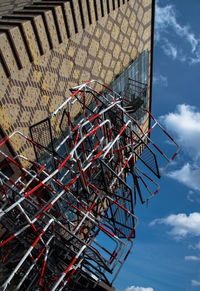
point(169, 49)
point(133, 288)
point(196, 58)
point(195, 247)
point(167, 26)
point(195, 283)
point(185, 124)
point(192, 258)
point(187, 175)
point(162, 19)
point(160, 80)
point(190, 195)
point(181, 224)
point(198, 245)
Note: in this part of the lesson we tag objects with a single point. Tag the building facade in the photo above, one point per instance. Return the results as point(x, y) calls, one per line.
point(46, 48)
point(50, 46)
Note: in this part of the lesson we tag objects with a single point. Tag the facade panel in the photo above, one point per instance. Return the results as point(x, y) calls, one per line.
point(101, 50)
point(74, 182)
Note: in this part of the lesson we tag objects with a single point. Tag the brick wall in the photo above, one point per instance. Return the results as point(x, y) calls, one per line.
point(50, 46)
point(8, 6)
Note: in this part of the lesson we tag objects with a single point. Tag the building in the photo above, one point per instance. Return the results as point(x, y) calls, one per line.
point(47, 47)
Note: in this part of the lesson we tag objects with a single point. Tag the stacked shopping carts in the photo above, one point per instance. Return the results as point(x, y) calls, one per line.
point(67, 216)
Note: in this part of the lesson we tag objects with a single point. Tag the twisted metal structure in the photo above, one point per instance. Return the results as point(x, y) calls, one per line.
point(68, 217)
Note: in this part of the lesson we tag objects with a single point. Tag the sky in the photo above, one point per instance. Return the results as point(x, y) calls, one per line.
point(166, 251)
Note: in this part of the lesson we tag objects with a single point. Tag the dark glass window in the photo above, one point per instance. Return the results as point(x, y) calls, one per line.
point(132, 84)
point(5, 168)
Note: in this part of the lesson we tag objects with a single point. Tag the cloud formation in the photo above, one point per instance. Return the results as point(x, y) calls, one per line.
point(192, 258)
point(160, 80)
point(187, 175)
point(195, 247)
point(184, 123)
point(181, 224)
point(169, 49)
point(191, 195)
point(133, 288)
point(167, 26)
point(195, 283)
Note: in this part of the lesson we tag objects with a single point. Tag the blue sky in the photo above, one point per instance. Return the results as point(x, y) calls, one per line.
point(166, 252)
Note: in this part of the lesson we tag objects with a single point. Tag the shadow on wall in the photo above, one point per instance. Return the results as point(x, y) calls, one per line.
point(9, 6)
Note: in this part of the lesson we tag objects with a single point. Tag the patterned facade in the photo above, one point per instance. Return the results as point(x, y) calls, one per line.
point(49, 46)
point(8, 6)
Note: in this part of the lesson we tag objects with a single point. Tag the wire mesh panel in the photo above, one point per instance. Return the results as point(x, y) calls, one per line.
point(135, 98)
point(41, 133)
point(58, 212)
point(148, 157)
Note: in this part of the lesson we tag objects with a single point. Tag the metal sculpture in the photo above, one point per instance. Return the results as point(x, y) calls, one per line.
point(67, 218)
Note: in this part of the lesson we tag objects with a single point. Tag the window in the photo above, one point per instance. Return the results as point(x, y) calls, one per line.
point(132, 84)
point(6, 168)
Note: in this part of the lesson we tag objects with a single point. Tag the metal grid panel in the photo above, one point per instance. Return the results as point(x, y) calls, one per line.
point(59, 212)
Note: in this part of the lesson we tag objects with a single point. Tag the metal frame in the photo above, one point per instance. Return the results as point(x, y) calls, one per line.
point(61, 209)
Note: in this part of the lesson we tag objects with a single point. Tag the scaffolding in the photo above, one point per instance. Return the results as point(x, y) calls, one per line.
point(68, 217)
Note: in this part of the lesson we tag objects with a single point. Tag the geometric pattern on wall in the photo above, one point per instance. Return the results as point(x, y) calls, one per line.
point(101, 50)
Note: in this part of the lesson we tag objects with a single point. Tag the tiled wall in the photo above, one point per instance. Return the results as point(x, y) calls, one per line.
point(50, 46)
point(8, 6)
